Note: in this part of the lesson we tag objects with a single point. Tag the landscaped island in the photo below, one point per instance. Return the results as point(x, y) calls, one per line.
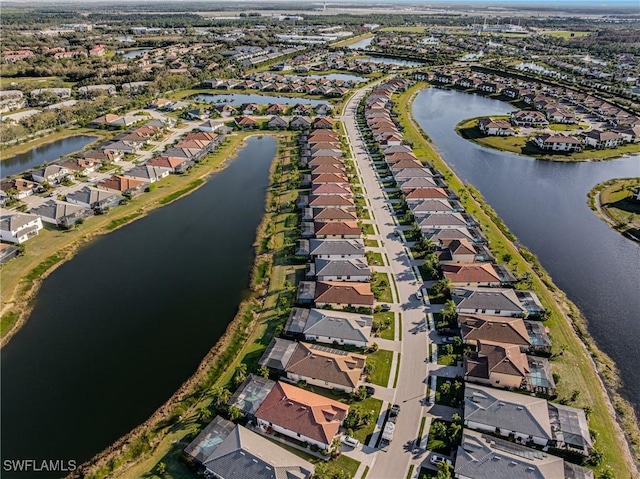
point(617, 201)
point(554, 142)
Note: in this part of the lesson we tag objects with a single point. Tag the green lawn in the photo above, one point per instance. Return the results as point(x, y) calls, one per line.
point(448, 359)
point(381, 362)
point(565, 34)
point(389, 332)
point(619, 205)
point(451, 398)
point(368, 229)
point(563, 127)
point(371, 243)
point(381, 287)
point(364, 433)
point(374, 259)
point(404, 29)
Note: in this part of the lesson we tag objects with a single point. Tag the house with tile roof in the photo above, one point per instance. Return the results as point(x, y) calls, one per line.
point(326, 326)
point(337, 230)
point(61, 213)
point(18, 227)
point(315, 364)
point(301, 414)
point(123, 184)
point(96, 199)
point(225, 450)
point(498, 365)
point(343, 294)
point(472, 274)
point(496, 329)
point(339, 270)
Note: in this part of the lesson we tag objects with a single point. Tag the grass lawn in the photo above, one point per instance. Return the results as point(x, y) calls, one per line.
point(388, 333)
point(374, 259)
point(368, 229)
point(349, 41)
point(574, 366)
point(381, 361)
point(426, 473)
point(618, 204)
point(404, 29)
point(563, 127)
point(448, 359)
point(382, 288)
point(448, 398)
point(364, 433)
point(435, 444)
point(371, 243)
point(565, 34)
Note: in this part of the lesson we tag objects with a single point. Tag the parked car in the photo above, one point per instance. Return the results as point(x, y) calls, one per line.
point(447, 332)
point(395, 410)
point(448, 340)
point(419, 294)
point(350, 441)
point(436, 459)
point(385, 307)
point(370, 390)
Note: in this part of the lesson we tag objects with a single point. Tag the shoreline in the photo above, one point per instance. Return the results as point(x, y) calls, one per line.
point(56, 257)
point(594, 201)
point(542, 157)
point(217, 365)
point(15, 150)
point(606, 374)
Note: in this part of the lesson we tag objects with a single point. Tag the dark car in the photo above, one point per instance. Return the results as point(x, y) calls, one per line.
point(447, 332)
point(370, 390)
point(395, 410)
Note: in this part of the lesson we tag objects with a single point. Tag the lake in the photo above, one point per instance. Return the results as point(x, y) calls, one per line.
point(43, 154)
point(115, 331)
point(240, 98)
point(360, 44)
point(545, 205)
point(390, 61)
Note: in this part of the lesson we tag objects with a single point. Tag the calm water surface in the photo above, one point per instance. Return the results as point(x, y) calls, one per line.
point(364, 43)
point(116, 330)
point(545, 205)
point(390, 61)
point(240, 98)
point(43, 154)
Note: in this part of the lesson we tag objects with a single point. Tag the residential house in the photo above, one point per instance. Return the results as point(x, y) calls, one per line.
point(18, 227)
point(211, 126)
point(50, 174)
point(557, 142)
point(175, 164)
point(343, 294)
point(498, 365)
point(340, 270)
point(148, 173)
point(103, 156)
point(481, 456)
point(250, 109)
point(459, 251)
point(249, 395)
point(316, 365)
point(337, 230)
point(61, 213)
point(197, 114)
point(494, 329)
point(83, 166)
point(489, 126)
point(336, 249)
point(602, 139)
point(302, 415)
point(96, 199)
point(225, 110)
point(630, 134)
point(529, 118)
point(475, 274)
point(496, 301)
point(323, 123)
point(278, 123)
point(122, 147)
point(123, 184)
point(300, 123)
point(246, 122)
point(225, 450)
point(18, 188)
point(330, 327)
point(108, 89)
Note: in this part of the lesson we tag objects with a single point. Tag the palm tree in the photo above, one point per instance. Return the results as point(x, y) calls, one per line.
point(241, 374)
point(220, 397)
point(264, 372)
point(442, 287)
point(449, 311)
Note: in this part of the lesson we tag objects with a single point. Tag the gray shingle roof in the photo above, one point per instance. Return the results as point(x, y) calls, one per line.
point(352, 267)
point(330, 324)
point(487, 298)
point(336, 247)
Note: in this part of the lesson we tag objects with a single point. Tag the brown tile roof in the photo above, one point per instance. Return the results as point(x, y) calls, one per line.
point(329, 178)
point(327, 364)
point(344, 292)
point(330, 168)
point(120, 183)
point(201, 135)
point(326, 160)
point(496, 358)
point(495, 329)
point(337, 228)
point(331, 188)
point(323, 135)
point(470, 273)
point(303, 412)
point(427, 193)
point(404, 164)
point(330, 200)
point(336, 214)
point(166, 161)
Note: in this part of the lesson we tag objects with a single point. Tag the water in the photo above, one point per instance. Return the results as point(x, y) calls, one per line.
point(390, 61)
point(240, 98)
point(340, 76)
point(43, 154)
point(360, 44)
point(134, 53)
point(545, 205)
point(116, 330)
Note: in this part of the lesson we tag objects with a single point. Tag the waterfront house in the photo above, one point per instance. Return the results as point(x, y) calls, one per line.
point(175, 164)
point(474, 274)
point(331, 189)
point(121, 147)
point(495, 329)
point(317, 365)
point(337, 230)
point(481, 456)
point(498, 365)
point(301, 415)
point(529, 118)
point(329, 201)
point(96, 199)
point(102, 156)
point(343, 294)
point(630, 134)
point(50, 174)
point(246, 122)
point(123, 184)
point(602, 139)
point(496, 301)
point(148, 173)
point(340, 270)
point(250, 109)
point(82, 166)
point(61, 213)
point(249, 395)
point(325, 326)
point(557, 142)
point(225, 450)
point(300, 122)
point(327, 215)
point(336, 249)
point(491, 127)
point(225, 110)
point(18, 227)
point(278, 123)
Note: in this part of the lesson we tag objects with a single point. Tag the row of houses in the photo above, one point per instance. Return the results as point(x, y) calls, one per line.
point(227, 110)
point(500, 325)
point(289, 84)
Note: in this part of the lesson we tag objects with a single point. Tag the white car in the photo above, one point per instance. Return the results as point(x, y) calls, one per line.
point(350, 441)
point(419, 294)
point(435, 460)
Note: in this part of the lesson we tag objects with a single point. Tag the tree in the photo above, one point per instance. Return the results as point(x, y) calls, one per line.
point(607, 474)
point(264, 372)
point(240, 375)
point(234, 413)
point(220, 397)
point(448, 312)
point(439, 429)
point(444, 471)
point(442, 287)
point(161, 468)
point(596, 457)
point(205, 414)
point(445, 388)
point(575, 394)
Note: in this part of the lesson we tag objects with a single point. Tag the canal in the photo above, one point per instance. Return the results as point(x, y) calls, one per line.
point(116, 330)
point(545, 205)
point(43, 154)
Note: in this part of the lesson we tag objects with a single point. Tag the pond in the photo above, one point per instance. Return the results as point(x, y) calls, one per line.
point(360, 44)
point(390, 61)
point(240, 98)
point(545, 205)
point(115, 331)
point(43, 154)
